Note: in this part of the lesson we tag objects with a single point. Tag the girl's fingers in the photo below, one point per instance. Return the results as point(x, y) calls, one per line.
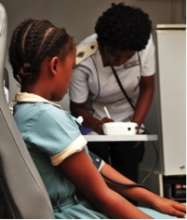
point(180, 207)
point(178, 213)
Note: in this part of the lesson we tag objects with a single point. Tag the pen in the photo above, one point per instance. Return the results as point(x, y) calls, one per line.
point(107, 112)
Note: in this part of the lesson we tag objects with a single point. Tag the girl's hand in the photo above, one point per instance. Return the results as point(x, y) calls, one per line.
point(170, 207)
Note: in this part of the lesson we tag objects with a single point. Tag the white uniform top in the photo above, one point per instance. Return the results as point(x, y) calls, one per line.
point(96, 83)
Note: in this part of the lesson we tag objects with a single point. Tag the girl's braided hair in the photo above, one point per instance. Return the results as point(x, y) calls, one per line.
point(33, 41)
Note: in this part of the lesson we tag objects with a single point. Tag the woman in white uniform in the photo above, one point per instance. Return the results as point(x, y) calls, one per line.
point(118, 73)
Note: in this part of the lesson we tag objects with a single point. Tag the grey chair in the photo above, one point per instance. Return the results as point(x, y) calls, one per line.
point(24, 192)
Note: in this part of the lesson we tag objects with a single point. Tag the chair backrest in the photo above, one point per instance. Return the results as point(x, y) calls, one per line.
point(22, 186)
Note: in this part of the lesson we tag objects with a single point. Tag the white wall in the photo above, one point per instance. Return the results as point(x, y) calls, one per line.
point(172, 66)
point(79, 16)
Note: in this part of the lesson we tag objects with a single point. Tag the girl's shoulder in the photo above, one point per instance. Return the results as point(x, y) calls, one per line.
point(55, 112)
point(42, 113)
point(52, 111)
point(38, 109)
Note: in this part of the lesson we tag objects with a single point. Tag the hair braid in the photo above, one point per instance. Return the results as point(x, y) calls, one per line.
point(31, 43)
point(15, 49)
point(54, 42)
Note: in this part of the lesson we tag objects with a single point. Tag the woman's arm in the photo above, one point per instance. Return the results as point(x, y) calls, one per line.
point(78, 109)
point(145, 99)
point(143, 195)
point(79, 169)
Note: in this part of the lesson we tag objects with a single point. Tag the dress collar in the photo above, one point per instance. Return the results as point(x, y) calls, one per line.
point(30, 97)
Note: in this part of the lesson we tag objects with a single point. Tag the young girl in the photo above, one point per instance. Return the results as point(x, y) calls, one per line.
point(42, 57)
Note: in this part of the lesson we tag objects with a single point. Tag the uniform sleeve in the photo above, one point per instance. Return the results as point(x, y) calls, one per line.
point(56, 134)
point(79, 90)
point(148, 59)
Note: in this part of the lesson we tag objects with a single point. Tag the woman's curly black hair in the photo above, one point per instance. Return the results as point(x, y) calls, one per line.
point(123, 27)
point(33, 41)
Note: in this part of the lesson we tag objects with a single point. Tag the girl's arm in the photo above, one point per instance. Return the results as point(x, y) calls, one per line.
point(79, 169)
point(145, 99)
point(143, 195)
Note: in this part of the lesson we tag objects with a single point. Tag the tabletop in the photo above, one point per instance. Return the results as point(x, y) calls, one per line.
point(115, 138)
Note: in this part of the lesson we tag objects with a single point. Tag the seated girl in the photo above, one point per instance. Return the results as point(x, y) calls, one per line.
point(42, 57)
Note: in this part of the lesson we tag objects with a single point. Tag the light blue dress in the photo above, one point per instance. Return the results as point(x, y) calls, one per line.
point(49, 132)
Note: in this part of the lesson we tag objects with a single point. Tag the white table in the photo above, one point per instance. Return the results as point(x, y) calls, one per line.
point(115, 138)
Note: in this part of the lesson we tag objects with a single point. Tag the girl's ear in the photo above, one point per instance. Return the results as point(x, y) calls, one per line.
point(54, 64)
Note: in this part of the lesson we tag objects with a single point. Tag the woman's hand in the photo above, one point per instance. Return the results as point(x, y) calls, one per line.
point(170, 207)
point(99, 127)
point(100, 124)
